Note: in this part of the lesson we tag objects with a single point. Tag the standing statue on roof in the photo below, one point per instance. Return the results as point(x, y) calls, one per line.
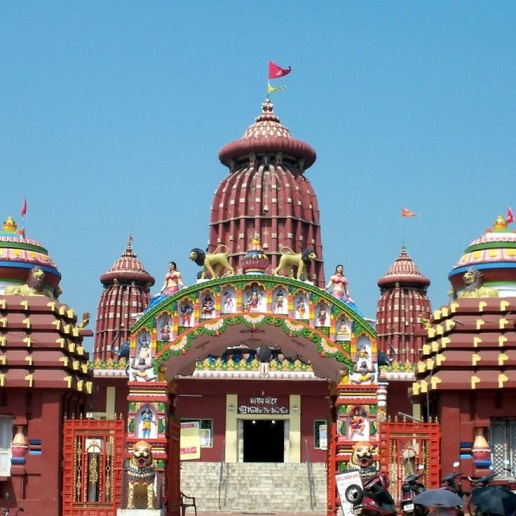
point(339, 284)
point(173, 281)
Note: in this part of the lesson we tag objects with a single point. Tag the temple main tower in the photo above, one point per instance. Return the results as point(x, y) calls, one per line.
point(126, 293)
point(267, 194)
point(402, 309)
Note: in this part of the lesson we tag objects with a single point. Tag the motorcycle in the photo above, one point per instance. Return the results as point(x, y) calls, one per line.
point(409, 490)
point(373, 499)
point(450, 483)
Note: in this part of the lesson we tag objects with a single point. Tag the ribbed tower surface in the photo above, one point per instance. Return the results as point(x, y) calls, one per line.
point(402, 306)
point(267, 195)
point(126, 294)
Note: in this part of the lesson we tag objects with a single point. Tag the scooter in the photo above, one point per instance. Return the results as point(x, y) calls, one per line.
point(374, 499)
point(409, 490)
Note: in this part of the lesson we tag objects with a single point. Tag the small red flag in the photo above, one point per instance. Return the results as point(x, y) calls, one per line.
point(407, 213)
point(275, 71)
point(510, 216)
point(24, 208)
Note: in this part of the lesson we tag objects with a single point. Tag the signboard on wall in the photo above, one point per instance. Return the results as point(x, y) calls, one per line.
point(190, 443)
point(270, 405)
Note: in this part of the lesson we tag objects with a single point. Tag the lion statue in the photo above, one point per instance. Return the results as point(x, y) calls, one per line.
point(362, 457)
point(289, 260)
point(213, 263)
point(473, 286)
point(140, 477)
point(34, 286)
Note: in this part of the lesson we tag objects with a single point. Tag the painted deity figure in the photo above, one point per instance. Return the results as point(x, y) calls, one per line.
point(339, 284)
point(301, 308)
point(141, 364)
point(147, 419)
point(321, 317)
point(208, 306)
point(279, 302)
point(229, 302)
point(186, 313)
point(173, 280)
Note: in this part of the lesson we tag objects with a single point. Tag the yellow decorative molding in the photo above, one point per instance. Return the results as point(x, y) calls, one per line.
point(70, 313)
point(68, 380)
point(80, 385)
point(480, 323)
point(84, 368)
point(421, 367)
point(415, 389)
point(2, 380)
point(80, 350)
point(502, 357)
point(439, 329)
point(3, 340)
point(52, 306)
point(27, 323)
point(62, 310)
point(25, 304)
point(439, 359)
point(30, 379)
point(482, 305)
point(449, 324)
point(61, 341)
point(444, 311)
point(29, 359)
point(65, 361)
point(71, 347)
point(475, 358)
point(435, 346)
point(89, 387)
point(454, 306)
point(28, 341)
point(502, 339)
point(3, 304)
point(424, 386)
point(502, 322)
point(501, 380)
point(476, 341)
point(67, 329)
point(474, 381)
point(437, 314)
point(504, 304)
point(426, 349)
point(430, 364)
point(75, 365)
point(445, 341)
point(3, 322)
point(3, 359)
point(58, 324)
point(430, 332)
point(75, 332)
point(435, 381)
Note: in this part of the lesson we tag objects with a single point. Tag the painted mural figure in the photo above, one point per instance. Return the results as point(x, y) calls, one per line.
point(253, 301)
point(208, 306)
point(301, 308)
point(357, 423)
point(186, 313)
point(173, 281)
point(165, 328)
point(229, 302)
point(141, 364)
point(279, 302)
point(147, 419)
point(321, 317)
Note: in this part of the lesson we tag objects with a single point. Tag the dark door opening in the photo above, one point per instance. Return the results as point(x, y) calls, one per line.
point(263, 440)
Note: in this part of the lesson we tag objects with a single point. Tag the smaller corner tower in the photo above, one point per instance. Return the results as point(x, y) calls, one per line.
point(126, 294)
point(402, 310)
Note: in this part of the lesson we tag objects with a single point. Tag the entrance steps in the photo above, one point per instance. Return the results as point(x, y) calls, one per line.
point(255, 487)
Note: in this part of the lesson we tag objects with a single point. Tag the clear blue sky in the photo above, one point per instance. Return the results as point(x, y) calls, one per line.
point(113, 112)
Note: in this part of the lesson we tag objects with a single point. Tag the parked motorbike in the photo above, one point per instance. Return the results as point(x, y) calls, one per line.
point(373, 499)
point(451, 482)
point(409, 490)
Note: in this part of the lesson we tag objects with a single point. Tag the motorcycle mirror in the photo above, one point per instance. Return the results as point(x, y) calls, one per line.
point(456, 464)
point(421, 467)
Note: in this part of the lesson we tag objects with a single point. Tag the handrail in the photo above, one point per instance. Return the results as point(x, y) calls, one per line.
point(221, 473)
point(311, 483)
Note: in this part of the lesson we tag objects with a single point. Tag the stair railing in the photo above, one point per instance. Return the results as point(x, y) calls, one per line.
point(222, 480)
point(311, 482)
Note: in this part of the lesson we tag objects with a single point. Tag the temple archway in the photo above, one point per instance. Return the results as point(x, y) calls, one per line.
point(265, 315)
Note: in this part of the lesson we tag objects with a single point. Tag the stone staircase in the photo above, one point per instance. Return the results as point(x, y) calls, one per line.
point(254, 487)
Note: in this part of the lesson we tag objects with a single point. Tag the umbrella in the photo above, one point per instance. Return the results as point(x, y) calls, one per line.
point(494, 500)
point(438, 498)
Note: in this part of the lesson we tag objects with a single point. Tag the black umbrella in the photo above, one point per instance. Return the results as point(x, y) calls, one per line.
point(494, 500)
point(438, 498)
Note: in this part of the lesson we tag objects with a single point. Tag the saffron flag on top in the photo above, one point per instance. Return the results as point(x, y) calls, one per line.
point(510, 216)
point(23, 210)
point(407, 213)
point(275, 71)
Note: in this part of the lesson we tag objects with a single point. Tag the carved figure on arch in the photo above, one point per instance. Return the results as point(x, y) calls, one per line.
point(213, 263)
point(290, 260)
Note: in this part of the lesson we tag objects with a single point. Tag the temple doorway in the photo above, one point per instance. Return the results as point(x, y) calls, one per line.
point(264, 440)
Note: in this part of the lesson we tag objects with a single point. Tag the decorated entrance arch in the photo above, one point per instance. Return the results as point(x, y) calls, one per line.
point(262, 312)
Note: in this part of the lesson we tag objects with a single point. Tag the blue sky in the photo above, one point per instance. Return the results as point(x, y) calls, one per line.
point(113, 112)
